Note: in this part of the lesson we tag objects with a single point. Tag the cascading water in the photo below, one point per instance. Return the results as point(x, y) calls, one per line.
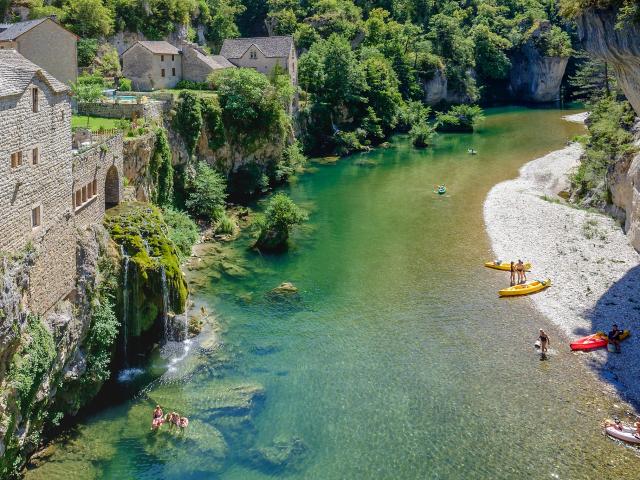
point(165, 303)
point(125, 302)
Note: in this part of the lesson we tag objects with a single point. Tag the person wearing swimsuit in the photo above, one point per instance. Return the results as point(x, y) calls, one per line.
point(544, 341)
point(522, 276)
point(513, 274)
point(158, 417)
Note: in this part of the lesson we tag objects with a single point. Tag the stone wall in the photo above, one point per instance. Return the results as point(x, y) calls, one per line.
point(151, 110)
point(97, 180)
point(43, 184)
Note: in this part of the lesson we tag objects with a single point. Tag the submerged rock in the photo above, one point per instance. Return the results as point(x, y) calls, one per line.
point(283, 453)
point(285, 288)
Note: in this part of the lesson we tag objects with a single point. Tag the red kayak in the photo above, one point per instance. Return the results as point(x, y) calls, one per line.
point(597, 340)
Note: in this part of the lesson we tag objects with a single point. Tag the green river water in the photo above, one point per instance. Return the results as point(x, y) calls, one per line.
point(397, 361)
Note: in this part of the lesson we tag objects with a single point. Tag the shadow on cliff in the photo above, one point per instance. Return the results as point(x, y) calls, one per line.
point(620, 305)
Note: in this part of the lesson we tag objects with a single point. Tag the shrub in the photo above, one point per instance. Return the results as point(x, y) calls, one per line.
point(182, 231)
point(225, 226)
point(291, 160)
point(87, 50)
point(189, 85)
point(161, 169)
point(422, 134)
point(125, 85)
point(460, 118)
point(276, 223)
point(206, 193)
point(188, 120)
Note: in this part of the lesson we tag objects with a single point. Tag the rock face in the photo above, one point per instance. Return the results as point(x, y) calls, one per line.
point(436, 90)
point(618, 47)
point(137, 154)
point(534, 77)
point(624, 183)
point(40, 355)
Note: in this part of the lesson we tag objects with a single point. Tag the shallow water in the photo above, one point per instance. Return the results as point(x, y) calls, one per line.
point(396, 361)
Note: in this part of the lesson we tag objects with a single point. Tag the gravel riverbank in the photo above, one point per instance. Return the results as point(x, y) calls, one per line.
point(594, 269)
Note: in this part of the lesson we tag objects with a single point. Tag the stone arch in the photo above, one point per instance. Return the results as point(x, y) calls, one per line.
point(112, 187)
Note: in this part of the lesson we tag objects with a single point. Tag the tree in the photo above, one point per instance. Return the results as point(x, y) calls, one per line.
point(278, 220)
point(460, 118)
point(88, 18)
point(188, 120)
point(422, 134)
point(206, 195)
point(592, 79)
point(87, 50)
point(86, 92)
point(490, 57)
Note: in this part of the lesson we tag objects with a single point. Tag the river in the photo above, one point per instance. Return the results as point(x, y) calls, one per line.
point(396, 361)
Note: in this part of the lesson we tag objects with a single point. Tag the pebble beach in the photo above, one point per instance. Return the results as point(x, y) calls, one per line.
point(594, 269)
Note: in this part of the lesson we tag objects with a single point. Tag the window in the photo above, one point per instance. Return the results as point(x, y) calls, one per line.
point(95, 187)
point(34, 99)
point(16, 159)
point(173, 58)
point(35, 156)
point(84, 194)
point(35, 217)
point(173, 72)
point(78, 198)
point(253, 55)
point(89, 192)
point(162, 58)
point(162, 72)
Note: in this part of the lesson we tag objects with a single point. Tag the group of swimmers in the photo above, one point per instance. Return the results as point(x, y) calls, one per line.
point(518, 268)
point(617, 424)
point(173, 419)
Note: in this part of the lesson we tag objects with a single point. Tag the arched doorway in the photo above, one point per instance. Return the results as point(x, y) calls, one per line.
point(112, 188)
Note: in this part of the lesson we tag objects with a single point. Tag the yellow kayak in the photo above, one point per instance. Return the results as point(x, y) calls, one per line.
point(525, 288)
point(506, 266)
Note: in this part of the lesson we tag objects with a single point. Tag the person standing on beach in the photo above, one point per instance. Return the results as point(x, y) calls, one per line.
point(513, 274)
point(544, 342)
point(522, 276)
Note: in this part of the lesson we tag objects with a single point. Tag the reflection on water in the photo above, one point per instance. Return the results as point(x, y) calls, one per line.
point(395, 360)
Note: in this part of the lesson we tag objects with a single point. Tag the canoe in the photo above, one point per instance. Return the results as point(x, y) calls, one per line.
point(525, 288)
point(506, 266)
point(626, 434)
point(597, 340)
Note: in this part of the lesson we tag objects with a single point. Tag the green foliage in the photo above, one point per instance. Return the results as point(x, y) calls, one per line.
point(628, 10)
point(292, 160)
point(490, 53)
point(99, 343)
point(280, 216)
point(88, 18)
point(125, 85)
point(225, 226)
point(206, 194)
point(161, 169)
point(189, 85)
point(188, 120)
point(212, 117)
point(592, 80)
point(108, 62)
point(87, 50)
point(459, 118)
point(253, 108)
point(554, 42)
point(182, 231)
point(31, 363)
point(422, 134)
point(610, 140)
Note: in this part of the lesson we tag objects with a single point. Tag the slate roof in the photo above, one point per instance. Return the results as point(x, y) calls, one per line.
point(11, 31)
point(216, 62)
point(160, 47)
point(16, 73)
point(278, 47)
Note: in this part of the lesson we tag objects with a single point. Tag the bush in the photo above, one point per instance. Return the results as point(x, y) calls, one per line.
point(188, 120)
point(189, 85)
point(276, 223)
point(460, 118)
point(87, 50)
point(183, 231)
point(125, 85)
point(206, 194)
point(161, 169)
point(291, 160)
point(422, 134)
point(225, 226)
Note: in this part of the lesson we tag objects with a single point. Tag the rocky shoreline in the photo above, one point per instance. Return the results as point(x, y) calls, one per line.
point(594, 268)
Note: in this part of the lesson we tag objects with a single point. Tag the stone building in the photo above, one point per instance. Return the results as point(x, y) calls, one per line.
point(156, 65)
point(45, 43)
point(152, 65)
point(40, 178)
point(263, 54)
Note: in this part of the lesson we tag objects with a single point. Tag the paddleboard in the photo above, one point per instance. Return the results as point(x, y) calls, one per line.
point(627, 434)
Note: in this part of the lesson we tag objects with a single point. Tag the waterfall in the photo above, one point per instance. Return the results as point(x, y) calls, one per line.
point(165, 303)
point(186, 322)
point(125, 302)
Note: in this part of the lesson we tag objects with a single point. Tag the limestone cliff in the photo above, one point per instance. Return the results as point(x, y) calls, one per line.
point(620, 48)
point(535, 77)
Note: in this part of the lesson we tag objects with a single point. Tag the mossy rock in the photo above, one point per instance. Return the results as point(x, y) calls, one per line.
point(283, 453)
point(139, 229)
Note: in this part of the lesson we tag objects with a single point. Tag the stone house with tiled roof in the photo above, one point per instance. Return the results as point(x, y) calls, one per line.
point(46, 192)
point(156, 65)
point(263, 54)
point(152, 65)
point(45, 43)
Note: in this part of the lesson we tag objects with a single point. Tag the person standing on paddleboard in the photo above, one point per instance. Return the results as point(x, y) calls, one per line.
point(544, 342)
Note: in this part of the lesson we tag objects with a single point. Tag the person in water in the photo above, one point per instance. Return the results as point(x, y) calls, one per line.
point(183, 423)
point(614, 337)
point(158, 418)
point(544, 341)
point(617, 424)
point(513, 274)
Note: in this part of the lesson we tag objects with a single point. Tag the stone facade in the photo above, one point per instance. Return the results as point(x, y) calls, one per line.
point(152, 65)
point(263, 54)
point(151, 109)
point(197, 65)
point(97, 181)
point(37, 177)
point(46, 44)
